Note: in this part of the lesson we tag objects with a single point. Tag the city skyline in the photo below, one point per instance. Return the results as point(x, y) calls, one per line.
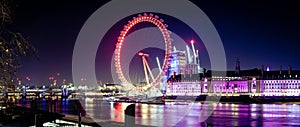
point(254, 32)
point(149, 63)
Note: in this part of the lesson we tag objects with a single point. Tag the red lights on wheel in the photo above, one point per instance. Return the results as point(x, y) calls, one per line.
point(154, 19)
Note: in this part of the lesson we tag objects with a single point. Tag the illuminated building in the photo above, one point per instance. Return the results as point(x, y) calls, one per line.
point(191, 68)
point(177, 60)
point(253, 82)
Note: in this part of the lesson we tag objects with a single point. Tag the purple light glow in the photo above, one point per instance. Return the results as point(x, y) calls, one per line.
point(257, 87)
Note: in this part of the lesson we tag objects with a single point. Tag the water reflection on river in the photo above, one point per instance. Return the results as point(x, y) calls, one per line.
point(188, 114)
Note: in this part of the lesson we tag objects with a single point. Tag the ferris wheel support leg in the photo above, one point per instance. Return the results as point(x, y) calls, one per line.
point(158, 63)
point(145, 70)
point(148, 67)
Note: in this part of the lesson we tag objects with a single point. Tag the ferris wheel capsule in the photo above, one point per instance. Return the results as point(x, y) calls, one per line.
point(145, 14)
point(151, 15)
point(156, 17)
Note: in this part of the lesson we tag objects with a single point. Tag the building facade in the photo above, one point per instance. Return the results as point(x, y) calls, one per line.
point(249, 82)
point(177, 60)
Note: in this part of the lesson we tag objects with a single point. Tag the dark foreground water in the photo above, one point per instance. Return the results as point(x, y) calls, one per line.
point(188, 114)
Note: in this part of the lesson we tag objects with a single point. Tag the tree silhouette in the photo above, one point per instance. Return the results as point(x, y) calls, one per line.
point(13, 46)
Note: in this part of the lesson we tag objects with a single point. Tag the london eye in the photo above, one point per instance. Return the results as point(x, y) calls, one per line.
point(159, 23)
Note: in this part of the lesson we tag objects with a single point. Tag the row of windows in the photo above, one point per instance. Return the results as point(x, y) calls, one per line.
point(183, 88)
point(282, 81)
point(188, 92)
point(281, 91)
point(284, 84)
point(230, 90)
point(282, 87)
point(224, 87)
point(184, 85)
point(272, 86)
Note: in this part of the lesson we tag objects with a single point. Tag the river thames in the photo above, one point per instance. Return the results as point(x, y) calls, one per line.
point(187, 113)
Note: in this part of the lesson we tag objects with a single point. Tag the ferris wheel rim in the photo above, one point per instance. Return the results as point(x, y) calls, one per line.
point(167, 40)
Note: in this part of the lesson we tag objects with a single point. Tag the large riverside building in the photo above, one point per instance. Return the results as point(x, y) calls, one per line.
point(256, 82)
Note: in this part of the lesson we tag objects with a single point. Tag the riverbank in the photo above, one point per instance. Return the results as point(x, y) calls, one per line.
point(96, 122)
point(13, 115)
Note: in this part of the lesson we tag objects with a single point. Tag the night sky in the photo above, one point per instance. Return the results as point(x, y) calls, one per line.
point(257, 32)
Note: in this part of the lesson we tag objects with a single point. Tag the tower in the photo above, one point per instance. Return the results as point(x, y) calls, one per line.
point(237, 66)
point(280, 70)
point(289, 69)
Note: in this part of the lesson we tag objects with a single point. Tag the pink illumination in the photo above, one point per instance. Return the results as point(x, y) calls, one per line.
point(140, 54)
point(283, 87)
point(51, 78)
point(192, 41)
point(142, 18)
point(28, 78)
point(143, 54)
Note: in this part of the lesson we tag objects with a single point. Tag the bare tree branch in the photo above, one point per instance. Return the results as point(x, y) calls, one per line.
point(13, 46)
